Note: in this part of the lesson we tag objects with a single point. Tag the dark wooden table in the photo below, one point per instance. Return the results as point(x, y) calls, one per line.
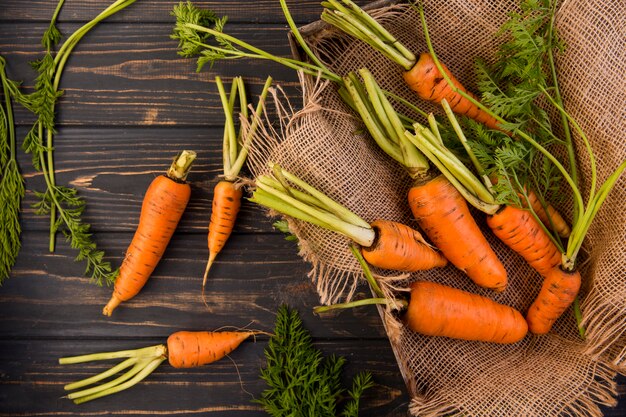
point(130, 104)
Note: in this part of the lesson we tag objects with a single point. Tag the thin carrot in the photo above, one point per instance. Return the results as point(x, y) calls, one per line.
point(383, 243)
point(191, 349)
point(438, 310)
point(442, 213)
point(549, 216)
point(427, 81)
point(227, 194)
point(519, 230)
point(558, 292)
point(183, 350)
point(163, 206)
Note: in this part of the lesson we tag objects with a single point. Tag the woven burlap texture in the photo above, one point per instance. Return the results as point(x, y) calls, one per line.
point(326, 145)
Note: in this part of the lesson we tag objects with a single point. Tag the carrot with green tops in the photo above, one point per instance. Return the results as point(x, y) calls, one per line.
point(435, 309)
point(183, 350)
point(385, 244)
point(439, 209)
point(163, 206)
point(227, 194)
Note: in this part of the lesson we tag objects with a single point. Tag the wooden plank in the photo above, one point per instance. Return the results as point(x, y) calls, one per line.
point(112, 168)
point(48, 296)
point(263, 11)
point(32, 381)
point(130, 75)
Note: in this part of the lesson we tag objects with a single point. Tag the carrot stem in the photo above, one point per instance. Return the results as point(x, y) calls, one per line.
point(367, 271)
point(103, 375)
point(150, 351)
point(352, 304)
point(179, 169)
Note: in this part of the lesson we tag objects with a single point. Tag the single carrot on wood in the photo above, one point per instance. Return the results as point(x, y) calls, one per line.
point(227, 194)
point(183, 350)
point(162, 207)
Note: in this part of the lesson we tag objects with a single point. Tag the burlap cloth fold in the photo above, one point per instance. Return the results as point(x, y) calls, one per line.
point(325, 144)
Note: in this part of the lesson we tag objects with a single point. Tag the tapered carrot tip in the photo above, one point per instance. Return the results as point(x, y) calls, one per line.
point(212, 256)
point(111, 305)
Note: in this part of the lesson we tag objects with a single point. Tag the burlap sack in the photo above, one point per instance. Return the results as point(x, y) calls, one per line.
point(324, 143)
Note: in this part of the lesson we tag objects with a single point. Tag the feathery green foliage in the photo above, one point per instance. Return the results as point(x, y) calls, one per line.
point(11, 181)
point(63, 204)
point(302, 382)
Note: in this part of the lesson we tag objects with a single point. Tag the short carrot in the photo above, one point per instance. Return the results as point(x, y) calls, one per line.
point(558, 291)
point(439, 310)
point(384, 244)
point(226, 193)
point(183, 350)
point(163, 206)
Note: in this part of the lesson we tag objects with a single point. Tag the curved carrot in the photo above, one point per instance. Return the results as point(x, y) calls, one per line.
point(226, 204)
point(519, 230)
point(549, 217)
point(438, 310)
point(443, 215)
point(425, 79)
point(558, 291)
point(400, 247)
point(191, 349)
point(162, 207)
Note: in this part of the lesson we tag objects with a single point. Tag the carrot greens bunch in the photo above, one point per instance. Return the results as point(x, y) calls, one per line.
point(301, 381)
point(11, 181)
point(61, 203)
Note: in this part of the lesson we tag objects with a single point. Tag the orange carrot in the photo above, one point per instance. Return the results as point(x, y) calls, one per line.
point(443, 215)
point(183, 349)
point(519, 230)
point(438, 310)
point(400, 247)
point(549, 217)
point(191, 349)
point(226, 204)
point(428, 82)
point(558, 291)
point(162, 207)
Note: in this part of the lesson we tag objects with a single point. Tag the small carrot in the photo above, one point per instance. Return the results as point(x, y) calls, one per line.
point(442, 213)
point(438, 310)
point(549, 216)
point(385, 244)
point(558, 291)
point(427, 81)
point(226, 194)
point(162, 207)
point(183, 350)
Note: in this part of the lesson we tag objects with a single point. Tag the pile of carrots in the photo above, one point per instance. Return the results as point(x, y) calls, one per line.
point(443, 187)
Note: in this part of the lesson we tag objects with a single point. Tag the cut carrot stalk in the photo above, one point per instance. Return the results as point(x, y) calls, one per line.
point(162, 207)
point(183, 350)
point(384, 244)
point(227, 194)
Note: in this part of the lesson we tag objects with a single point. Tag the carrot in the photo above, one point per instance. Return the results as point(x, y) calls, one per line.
point(427, 81)
point(183, 350)
point(385, 244)
point(163, 206)
point(443, 215)
point(558, 292)
point(226, 194)
point(519, 230)
point(549, 216)
point(438, 310)
point(191, 349)
point(399, 247)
